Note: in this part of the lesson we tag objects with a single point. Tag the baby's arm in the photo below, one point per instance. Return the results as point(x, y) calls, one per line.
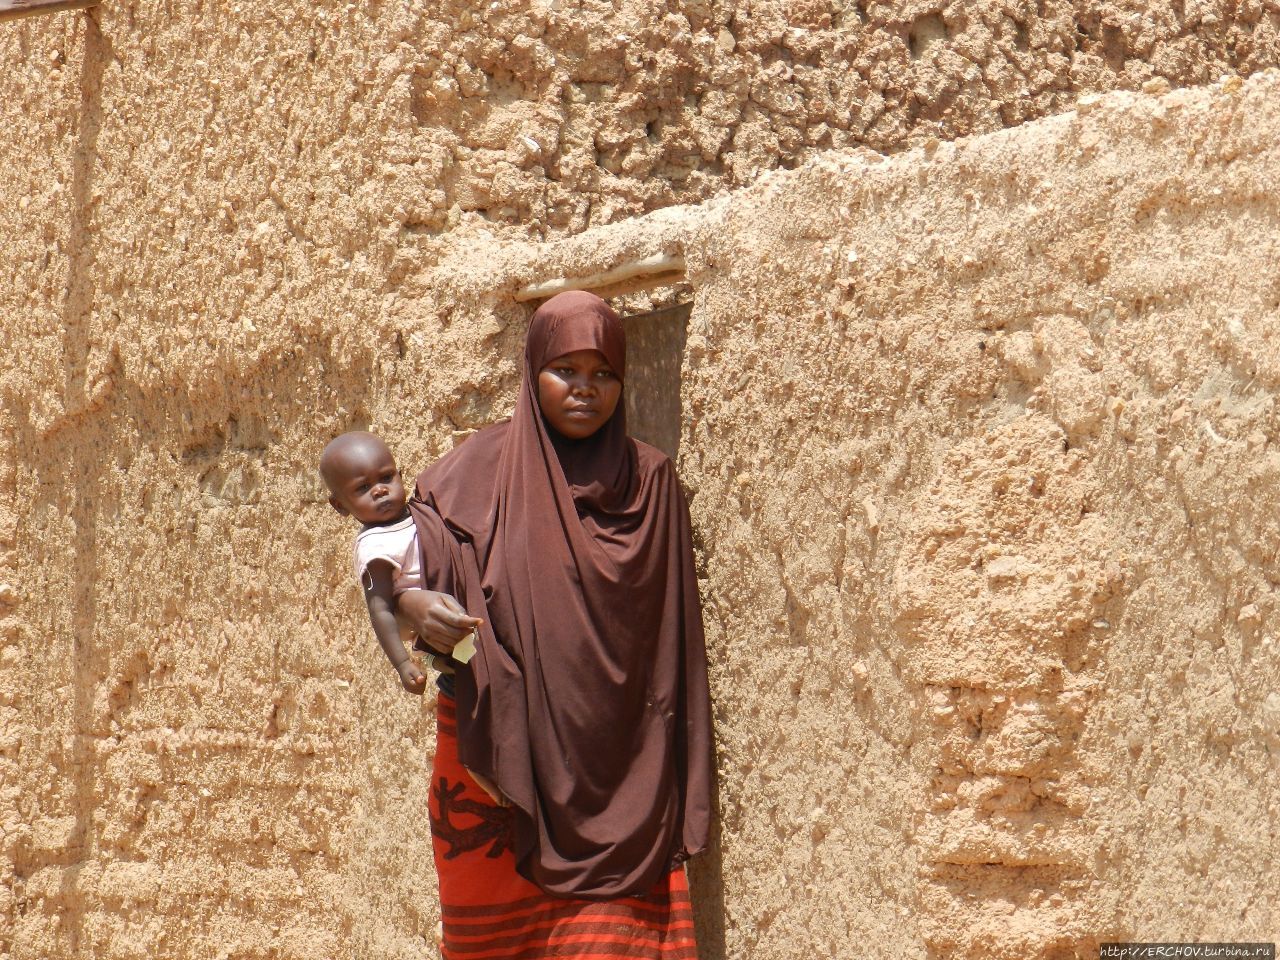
point(378, 589)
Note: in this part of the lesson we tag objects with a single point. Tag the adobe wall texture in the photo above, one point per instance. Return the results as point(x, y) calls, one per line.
point(552, 116)
point(984, 450)
point(981, 442)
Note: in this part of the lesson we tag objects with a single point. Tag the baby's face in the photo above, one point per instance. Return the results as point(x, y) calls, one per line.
point(367, 485)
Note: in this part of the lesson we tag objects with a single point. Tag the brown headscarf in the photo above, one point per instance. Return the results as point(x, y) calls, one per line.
point(587, 699)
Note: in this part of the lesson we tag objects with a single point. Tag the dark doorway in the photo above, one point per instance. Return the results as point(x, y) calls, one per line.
point(655, 351)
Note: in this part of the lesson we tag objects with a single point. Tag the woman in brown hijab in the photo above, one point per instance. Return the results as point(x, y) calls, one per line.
point(566, 544)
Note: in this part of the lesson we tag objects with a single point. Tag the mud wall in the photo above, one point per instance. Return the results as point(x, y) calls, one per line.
point(980, 441)
point(983, 440)
point(550, 116)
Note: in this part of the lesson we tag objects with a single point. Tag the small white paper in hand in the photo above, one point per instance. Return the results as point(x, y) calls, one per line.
point(466, 648)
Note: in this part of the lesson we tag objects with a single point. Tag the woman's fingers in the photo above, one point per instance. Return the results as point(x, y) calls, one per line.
point(460, 616)
point(447, 624)
point(451, 603)
point(438, 619)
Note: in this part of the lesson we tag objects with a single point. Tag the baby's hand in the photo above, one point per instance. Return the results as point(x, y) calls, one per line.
point(411, 678)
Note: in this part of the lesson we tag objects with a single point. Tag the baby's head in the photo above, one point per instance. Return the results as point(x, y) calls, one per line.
point(362, 478)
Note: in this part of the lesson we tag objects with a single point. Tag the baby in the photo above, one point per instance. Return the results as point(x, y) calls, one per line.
point(364, 483)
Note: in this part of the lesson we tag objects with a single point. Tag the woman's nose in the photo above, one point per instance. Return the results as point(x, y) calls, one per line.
point(583, 385)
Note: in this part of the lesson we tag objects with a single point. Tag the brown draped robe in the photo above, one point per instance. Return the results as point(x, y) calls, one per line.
point(586, 702)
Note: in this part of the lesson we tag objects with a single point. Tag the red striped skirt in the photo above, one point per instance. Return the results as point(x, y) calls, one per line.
point(490, 912)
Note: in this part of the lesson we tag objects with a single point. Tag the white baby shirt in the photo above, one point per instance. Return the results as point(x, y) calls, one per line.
point(396, 543)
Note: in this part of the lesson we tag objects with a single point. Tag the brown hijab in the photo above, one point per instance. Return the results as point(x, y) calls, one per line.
point(587, 699)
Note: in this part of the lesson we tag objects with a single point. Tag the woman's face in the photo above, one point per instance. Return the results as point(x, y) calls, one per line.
point(578, 393)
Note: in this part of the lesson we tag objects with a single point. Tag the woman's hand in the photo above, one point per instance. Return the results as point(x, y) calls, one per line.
point(437, 618)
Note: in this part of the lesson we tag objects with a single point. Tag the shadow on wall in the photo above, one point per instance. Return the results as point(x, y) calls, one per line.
point(213, 470)
point(76, 321)
point(706, 889)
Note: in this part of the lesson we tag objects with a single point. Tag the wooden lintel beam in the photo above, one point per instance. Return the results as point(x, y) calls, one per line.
point(651, 271)
point(13, 9)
